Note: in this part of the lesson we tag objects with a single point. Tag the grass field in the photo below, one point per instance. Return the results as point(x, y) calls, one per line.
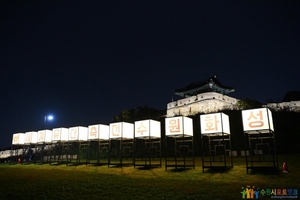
point(100, 182)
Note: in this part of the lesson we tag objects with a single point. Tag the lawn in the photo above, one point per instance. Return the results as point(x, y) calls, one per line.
point(100, 182)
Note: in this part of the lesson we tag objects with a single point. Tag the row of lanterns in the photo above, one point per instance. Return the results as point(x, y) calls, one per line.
point(211, 124)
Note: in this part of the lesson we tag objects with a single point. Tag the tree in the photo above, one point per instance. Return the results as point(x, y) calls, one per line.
point(248, 104)
point(139, 113)
point(124, 116)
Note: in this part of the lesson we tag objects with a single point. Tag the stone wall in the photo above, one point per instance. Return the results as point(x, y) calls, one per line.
point(288, 106)
point(7, 153)
point(202, 103)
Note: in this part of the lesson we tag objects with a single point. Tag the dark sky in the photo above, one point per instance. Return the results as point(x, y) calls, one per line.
point(85, 61)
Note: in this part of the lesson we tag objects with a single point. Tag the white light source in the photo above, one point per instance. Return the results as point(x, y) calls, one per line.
point(50, 117)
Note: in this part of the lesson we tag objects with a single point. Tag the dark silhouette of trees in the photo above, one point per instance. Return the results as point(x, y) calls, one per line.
point(139, 113)
point(248, 104)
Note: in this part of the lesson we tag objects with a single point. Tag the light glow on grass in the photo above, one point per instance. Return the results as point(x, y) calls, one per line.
point(100, 182)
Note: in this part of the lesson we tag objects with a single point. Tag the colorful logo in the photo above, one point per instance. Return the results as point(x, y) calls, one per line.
point(249, 192)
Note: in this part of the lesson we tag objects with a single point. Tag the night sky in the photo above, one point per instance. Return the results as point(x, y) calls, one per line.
point(85, 61)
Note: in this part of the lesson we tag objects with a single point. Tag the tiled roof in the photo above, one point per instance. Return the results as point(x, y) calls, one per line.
point(211, 84)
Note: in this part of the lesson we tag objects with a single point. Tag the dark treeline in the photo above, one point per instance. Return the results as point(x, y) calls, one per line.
point(139, 113)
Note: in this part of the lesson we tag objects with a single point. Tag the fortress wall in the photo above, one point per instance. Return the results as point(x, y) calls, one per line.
point(290, 106)
point(202, 103)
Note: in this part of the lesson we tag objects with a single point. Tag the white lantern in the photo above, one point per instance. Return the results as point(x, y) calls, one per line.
point(120, 130)
point(147, 129)
point(257, 120)
point(64, 134)
point(18, 138)
point(215, 124)
point(44, 136)
point(56, 135)
point(179, 126)
point(60, 135)
point(30, 137)
point(78, 133)
point(98, 132)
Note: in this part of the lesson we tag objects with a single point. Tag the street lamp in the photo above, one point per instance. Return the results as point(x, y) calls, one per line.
point(47, 118)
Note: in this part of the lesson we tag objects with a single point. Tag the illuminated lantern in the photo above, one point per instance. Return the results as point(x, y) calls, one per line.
point(98, 132)
point(257, 120)
point(179, 142)
point(122, 130)
point(179, 126)
point(44, 136)
point(147, 128)
point(78, 133)
point(259, 131)
point(18, 139)
point(60, 135)
point(214, 124)
point(30, 138)
point(64, 134)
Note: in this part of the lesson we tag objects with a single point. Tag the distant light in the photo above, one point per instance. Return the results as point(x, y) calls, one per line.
point(50, 117)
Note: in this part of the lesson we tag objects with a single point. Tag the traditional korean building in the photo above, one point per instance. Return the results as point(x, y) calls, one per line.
point(202, 97)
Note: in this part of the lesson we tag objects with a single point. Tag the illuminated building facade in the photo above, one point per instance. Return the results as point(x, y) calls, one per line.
point(202, 97)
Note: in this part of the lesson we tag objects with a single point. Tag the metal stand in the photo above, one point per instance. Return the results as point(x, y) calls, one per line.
point(97, 152)
point(29, 152)
point(179, 152)
point(59, 153)
point(39, 153)
point(55, 152)
point(120, 152)
point(77, 153)
point(262, 152)
point(147, 152)
point(16, 154)
point(216, 152)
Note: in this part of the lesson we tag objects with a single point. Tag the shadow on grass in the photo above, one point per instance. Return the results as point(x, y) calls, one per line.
point(75, 164)
point(147, 167)
point(55, 164)
point(180, 169)
point(264, 171)
point(58, 163)
point(218, 169)
point(119, 165)
point(96, 164)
